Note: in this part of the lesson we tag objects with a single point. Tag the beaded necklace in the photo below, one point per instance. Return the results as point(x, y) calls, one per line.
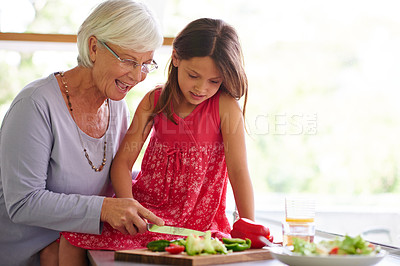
point(79, 134)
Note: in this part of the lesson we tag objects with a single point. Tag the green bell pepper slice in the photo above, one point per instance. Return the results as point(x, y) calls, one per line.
point(238, 245)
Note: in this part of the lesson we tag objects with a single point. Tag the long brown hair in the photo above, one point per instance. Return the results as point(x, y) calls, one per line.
point(200, 38)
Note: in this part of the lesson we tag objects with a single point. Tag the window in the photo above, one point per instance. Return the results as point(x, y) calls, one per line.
point(323, 117)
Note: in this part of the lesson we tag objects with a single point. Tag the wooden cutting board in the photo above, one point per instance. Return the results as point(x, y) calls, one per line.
point(147, 256)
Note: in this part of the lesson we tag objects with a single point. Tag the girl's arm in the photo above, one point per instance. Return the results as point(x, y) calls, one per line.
point(233, 133)
point(121, 169)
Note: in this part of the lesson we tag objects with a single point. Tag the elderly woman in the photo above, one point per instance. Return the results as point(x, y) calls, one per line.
point(61, 133)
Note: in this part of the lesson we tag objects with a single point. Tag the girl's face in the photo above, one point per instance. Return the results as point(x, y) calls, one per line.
point(199, 78)
point(113, 78)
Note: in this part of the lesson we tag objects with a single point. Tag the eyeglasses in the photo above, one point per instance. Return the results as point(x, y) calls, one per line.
point(129, 63)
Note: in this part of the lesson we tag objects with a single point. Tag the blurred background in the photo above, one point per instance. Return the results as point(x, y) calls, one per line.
point(323, 115)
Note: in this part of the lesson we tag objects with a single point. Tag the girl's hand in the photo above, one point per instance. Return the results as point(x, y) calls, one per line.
point(127, 215)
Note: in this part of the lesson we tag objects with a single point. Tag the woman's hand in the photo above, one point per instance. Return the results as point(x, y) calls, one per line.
point(127, 215)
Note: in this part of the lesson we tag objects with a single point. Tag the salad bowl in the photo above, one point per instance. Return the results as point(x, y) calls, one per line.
point(295, 259)
point(347, 250)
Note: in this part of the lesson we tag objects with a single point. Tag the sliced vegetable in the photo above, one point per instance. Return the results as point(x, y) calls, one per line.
point(158, 245)
point(237, 244)
point(233, 240)
point(304, 247)
point(207, 245)
point(219, 246)
point(175, 249)
point(180, 241)
point(339, 246)
point(334, 251)
point(196, 245)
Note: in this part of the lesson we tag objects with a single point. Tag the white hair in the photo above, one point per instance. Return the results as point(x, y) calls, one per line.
point(128, 24)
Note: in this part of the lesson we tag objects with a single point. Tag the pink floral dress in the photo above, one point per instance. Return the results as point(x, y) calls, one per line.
point(183, 180)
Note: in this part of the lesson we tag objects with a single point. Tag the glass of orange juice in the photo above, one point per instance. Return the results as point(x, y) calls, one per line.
point(299, 219)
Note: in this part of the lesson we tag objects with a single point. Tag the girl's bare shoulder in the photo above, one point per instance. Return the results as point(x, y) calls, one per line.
point(148, 100)
point(227, 103)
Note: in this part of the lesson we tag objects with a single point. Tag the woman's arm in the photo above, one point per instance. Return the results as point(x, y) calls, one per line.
point(26, 146)
point(233, 133)
point(121, 169)
point(26, 142)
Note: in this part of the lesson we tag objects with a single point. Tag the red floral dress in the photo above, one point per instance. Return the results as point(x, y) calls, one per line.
point(183, 180)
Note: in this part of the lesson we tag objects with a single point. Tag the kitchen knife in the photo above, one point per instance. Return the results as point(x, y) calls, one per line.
point(173, 230)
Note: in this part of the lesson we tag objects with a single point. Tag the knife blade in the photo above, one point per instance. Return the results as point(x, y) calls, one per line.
point(173, 230)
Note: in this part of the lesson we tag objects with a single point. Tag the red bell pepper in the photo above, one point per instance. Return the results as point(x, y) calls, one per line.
point(246, 228)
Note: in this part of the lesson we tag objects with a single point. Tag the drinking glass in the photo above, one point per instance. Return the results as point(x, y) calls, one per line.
point(299, 219)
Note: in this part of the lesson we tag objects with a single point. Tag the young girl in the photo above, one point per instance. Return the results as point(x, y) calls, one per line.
point(197, 142)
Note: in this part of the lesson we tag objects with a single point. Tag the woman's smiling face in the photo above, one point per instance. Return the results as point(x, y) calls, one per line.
point(198, 77)
point(112, 77)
